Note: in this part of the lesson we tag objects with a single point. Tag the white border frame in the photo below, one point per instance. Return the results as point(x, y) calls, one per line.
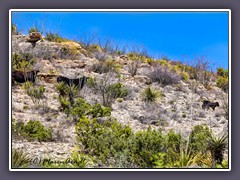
point(119, 10)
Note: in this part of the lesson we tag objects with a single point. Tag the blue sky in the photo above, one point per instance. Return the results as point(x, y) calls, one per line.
point(178, 35)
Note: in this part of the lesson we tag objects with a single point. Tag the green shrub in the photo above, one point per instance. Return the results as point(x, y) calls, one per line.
point(14, 30)
point(185, 76)
point(98, 111)
point(35, 130)
point(222, 82)
point(80, 108)
point(115, 145)
point(198, 138)
point(105, 67)
point(27, 85)
point(36, 93)
point(172, 141)
point(117, 90)
point(145, 145)
point(102, 140)
point(150, 94)
point(222, 72)
point(55, 38)
point(22, 62)
point(17, 130)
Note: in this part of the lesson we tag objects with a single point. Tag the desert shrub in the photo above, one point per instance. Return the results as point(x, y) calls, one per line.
point(150, 94)
point(70, 52)
point(185, 76)
point(117, 90)
point(200, 71)
point(133, 67)
point(14, 30)
point(94, 48)
point(222, 72)
point(35, 130)
point(22, 62)
point(164, 76)
point(163, 62)
point(55, 37)
point(20, 159)
point(65, 105)
point(80, 108)
point(105, 67)
point(101, 68)
point(17, 129)
point(206, 79)
point(222, 82)
point(198, 139)
point(182, 159)
point(107, 89)
point(36, 93)
point(115, 145)
point(98, 111)
point(102, 140)
point(146, 144)
point(172, 141)
point(33, 29)
point(169, 157)
point(27, 85)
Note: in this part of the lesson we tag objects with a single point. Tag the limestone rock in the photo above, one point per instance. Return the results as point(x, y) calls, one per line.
point(34, 37)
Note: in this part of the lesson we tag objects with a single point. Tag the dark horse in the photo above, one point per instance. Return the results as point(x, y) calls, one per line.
point(207, 104)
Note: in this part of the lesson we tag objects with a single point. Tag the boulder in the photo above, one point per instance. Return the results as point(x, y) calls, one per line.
point(143, 79)
point(34, 37)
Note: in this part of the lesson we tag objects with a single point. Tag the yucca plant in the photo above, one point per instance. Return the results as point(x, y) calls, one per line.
point(185, 158)
point(80, 160)
point(20, 159)
point(150, 94)
point(61, 88)
point(27, 85)
point(217, 146)
point(71, 91)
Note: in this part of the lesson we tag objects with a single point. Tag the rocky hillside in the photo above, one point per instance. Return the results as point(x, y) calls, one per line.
point(179, 106)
